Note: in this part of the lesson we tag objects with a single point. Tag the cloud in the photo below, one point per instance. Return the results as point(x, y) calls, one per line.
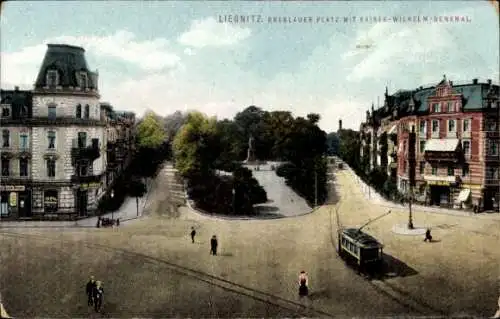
point(210, 33)
point(150, 55)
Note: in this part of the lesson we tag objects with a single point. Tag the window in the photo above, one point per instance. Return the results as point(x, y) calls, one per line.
point(51, 139)
point(51, 167)
point(451, 126)
point(82, 139)
point(5, 138)
point(422, 146)
point(492, 173)
point(435, 126)
point(492, 148)
point(450, 107)
point(52, 112)
point(52, 78)
point(491, 125)
point(465, 170)
point(23, 167)
point(466, 148)
point(422, 127)
point(79, 111)
point(83, 80)
point(87, 111)
point(436, 107)
point(23, 141)
point(5, 167)
point(466, 125)
point(83, 168)
point(422, 168)
point(451, 171)
point(434, 170)
point(5, 111)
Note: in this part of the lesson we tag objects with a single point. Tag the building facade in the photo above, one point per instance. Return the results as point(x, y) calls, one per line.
point(58, 132)
point(457, 143)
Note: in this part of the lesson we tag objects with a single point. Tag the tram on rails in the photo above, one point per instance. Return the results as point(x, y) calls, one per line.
point(360, 249)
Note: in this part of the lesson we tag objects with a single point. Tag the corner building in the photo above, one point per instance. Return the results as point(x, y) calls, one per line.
point(68, 135)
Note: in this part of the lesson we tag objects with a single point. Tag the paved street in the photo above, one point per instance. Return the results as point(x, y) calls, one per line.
point(150, 268)
point(283, 200)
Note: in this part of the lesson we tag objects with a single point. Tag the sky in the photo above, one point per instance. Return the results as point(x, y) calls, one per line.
point(166, 56)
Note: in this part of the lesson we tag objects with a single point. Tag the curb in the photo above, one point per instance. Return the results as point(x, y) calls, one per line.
point(223, 217)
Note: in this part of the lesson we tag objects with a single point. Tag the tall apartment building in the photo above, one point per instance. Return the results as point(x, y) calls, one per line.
point(54, 154)
point(457, 142)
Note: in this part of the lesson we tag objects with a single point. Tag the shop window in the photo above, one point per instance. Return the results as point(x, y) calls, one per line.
point(434, 170)
point(50, 201)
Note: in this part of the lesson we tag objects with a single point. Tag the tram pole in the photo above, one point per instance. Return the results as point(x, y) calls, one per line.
point(372, 220)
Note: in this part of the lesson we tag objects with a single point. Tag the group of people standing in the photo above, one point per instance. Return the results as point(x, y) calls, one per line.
point(95, 293)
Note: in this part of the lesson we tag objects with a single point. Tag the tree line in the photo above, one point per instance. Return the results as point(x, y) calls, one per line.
point(208, 154)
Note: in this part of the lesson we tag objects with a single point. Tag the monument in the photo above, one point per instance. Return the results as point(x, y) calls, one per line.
point(251, 159)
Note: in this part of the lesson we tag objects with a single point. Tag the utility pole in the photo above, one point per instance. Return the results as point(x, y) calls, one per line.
point(315, 187)
point(412, 165)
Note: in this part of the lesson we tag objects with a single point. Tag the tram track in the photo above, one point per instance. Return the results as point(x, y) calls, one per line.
point(381, 286)
point(299, 309)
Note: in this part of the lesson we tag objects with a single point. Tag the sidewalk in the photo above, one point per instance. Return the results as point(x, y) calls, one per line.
point(372, 195)
point(128, 211)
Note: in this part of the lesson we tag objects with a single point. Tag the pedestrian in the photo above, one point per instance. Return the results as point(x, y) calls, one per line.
point(428, 236)
point(213, 245)
point(98, 296)
point(497, 314)
point(90, 291)
point(193, 233)
point(303, 284)
point(98, 222)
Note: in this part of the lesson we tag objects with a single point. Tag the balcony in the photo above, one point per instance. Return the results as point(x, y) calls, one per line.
point(90, 153)
point(86, 178)
point(492, 182)
point(492, 134)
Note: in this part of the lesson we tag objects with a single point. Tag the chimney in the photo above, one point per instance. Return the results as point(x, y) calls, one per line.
point(451, 83)
point(474, 81)
point(421, 87)
point(16, 88)
point(489, 82)
point(340, 125)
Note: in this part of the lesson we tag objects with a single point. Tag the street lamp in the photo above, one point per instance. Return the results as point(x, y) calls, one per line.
point(112, 194)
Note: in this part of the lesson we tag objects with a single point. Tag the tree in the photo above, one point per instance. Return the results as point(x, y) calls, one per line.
point(173, 123)
point(197, 146)
point(150, 133)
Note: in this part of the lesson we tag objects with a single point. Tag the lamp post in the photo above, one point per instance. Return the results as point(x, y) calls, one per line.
point(112, 194)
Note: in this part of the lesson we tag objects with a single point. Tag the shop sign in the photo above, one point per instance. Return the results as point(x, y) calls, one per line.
point(89, 185)
point(12, 188)
point(439, 183)
point(13, 199)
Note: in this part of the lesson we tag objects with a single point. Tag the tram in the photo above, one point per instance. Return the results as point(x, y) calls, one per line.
point(361, 249)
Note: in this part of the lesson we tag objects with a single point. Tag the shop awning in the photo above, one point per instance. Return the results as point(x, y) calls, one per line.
point(463, 195)
point(393, 129)
point(442, 145)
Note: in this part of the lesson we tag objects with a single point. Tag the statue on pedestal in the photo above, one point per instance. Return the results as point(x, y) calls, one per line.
point(251, 150)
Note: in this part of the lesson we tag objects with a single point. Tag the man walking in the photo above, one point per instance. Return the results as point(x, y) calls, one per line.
point(193, 233)
point(98, 296)
point(428, 236)
point(90, 291)
point(213, 245)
